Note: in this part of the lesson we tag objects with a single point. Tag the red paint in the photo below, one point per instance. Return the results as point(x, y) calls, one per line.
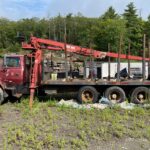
point(54, 45)
point(13, 74)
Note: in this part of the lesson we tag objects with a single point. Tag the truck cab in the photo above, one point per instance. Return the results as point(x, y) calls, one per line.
point(14, 75)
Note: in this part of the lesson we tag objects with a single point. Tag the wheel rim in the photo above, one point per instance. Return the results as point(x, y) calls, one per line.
point(141, 96)
point(114, 97)
point(87, 96)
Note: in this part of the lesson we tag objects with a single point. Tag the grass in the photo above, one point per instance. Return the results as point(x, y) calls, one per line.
point(48, 126)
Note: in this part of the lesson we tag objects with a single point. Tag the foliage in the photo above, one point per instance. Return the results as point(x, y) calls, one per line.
point(83, 31)
point(110, 14)
point(134, 27)
point(147, 27)
point(112, 30)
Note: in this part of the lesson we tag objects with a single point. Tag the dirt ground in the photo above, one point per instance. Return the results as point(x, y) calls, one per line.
point(48, 126)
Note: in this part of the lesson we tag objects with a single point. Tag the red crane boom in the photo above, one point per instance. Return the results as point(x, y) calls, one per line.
point(35, 43)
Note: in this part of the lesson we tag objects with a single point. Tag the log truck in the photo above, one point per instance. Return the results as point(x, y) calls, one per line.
point(23, 74)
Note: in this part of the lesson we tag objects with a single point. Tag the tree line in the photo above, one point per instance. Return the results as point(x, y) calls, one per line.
point(81, 30)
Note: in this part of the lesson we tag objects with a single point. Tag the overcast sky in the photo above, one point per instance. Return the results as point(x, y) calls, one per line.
point(18, 9)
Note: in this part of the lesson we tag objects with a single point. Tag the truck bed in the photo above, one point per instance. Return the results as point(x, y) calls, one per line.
point(98, 82)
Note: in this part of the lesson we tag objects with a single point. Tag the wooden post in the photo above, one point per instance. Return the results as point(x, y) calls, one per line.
point(92, 62)
point(149, 59)
point(109, 62)
point(129, 46)
point(71, 65)
point(143, 64)
point(149, 68)
point(65, 48)
point(84, 64)
point(118, 64)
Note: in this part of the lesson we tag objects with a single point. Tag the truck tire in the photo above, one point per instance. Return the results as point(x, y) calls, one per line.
point(1, 96)
point(140, 95)
point(87, 94)
point(115, 94)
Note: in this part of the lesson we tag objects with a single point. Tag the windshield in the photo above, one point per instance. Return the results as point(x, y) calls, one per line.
point(12, 61)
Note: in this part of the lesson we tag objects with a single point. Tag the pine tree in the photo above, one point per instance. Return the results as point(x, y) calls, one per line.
point(134, 26)
point(147, 27)
point(110, 14)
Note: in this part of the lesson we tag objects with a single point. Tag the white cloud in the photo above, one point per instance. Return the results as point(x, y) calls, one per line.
point(17, 9)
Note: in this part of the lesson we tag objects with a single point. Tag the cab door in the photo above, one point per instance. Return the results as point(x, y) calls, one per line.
point(13, 70)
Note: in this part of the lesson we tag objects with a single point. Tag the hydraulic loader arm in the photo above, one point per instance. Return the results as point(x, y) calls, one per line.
point(39, 43)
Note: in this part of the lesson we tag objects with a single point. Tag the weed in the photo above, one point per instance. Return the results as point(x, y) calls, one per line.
point(78, 143)
point(47, 126)
point(118, 130)
point(61, 143)
point(51, 103)
point(147, 133)
point(82, 135)
point(102, 131)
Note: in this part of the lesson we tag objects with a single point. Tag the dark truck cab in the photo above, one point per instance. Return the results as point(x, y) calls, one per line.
point(14, 76)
